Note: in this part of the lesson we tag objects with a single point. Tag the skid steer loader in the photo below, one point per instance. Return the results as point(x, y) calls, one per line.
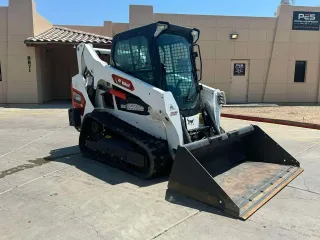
point(147, 109)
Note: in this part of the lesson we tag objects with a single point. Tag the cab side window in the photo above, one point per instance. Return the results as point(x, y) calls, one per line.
point(132, 56)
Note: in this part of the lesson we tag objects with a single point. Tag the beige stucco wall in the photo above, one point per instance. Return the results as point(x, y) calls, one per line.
point(290, 46)
point(268, 43)
point(63, 70)
point(108, 29)
point(45, 73)
point(19, 21)
point(21, 84)
point(40, 24)
point(57, 67)
point(92, 29)
point(119, 27)
point(3, 51)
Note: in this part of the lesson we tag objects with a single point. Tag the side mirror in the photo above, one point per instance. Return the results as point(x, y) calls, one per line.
point(199, 75)
point(197, 59)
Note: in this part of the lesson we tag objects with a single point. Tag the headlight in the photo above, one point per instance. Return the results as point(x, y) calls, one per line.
point(222, 98)
point(160, 27)
point(195, 35)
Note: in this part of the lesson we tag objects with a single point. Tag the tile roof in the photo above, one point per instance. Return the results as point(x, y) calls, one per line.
point(67, 36)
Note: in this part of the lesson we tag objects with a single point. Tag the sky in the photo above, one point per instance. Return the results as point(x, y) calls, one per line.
point(94, 12)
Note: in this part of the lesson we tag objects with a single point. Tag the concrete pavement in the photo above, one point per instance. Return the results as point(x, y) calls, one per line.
point(49, 191)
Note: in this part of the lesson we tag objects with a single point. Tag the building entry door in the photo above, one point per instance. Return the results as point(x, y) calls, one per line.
point(239, 81)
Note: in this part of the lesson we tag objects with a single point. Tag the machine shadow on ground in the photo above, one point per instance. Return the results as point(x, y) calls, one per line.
point(48, 105)
point(100, 170)
point(103, 171)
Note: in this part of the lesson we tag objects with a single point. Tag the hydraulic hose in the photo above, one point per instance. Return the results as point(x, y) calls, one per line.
point(208, 109)
point(186, 135)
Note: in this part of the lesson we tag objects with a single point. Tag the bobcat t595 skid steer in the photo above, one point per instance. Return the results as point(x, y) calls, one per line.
point(147, 108)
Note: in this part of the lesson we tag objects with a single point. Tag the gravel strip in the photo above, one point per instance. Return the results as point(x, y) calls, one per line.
point(306, 114)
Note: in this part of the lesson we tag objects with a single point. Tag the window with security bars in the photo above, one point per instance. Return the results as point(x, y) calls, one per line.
point(175, 57)
point(132, 56)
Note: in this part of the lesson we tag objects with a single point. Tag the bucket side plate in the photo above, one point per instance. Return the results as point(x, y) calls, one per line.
point(237, 173)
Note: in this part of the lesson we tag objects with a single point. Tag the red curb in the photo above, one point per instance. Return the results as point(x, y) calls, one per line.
point(274, 121)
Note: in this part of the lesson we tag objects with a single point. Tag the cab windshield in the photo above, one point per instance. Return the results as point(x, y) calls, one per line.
point(177, 67)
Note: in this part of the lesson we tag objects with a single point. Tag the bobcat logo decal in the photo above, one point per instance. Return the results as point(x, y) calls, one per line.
point(190, 122)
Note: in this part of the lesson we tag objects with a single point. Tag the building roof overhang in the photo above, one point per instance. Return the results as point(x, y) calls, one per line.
point(65, 36)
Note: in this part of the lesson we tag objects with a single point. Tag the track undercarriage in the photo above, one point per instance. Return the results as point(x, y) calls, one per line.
point(106, 138)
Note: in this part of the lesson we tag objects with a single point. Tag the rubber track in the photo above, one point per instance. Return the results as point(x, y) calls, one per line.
point(156, 149)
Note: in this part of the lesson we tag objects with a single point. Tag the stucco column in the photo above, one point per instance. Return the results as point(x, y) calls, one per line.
point(22, 80)
point(318, 78)
point(3, 52)
point(276, 82)
point(107, 29)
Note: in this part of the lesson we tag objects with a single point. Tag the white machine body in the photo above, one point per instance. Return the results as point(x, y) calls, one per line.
point(163, 120)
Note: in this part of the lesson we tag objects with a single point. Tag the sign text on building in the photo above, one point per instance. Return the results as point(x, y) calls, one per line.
point(309, 21)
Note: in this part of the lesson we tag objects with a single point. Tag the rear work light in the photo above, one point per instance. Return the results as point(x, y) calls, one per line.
point(78, 100)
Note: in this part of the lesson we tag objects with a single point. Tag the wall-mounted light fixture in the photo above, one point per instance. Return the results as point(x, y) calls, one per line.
point(234, 36)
